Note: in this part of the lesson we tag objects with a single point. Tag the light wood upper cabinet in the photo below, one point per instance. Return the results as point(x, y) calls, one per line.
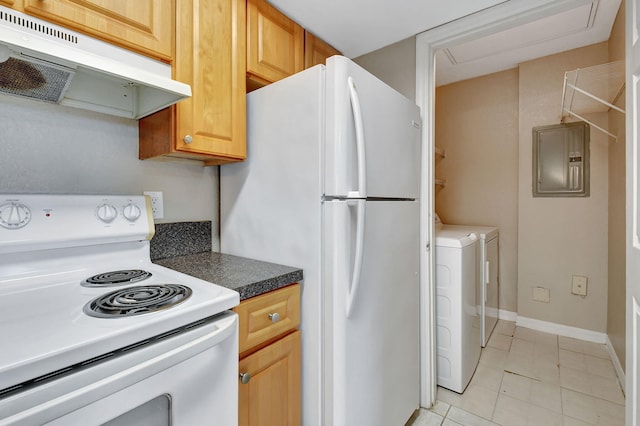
point(211, 125)
point(146, 26)
point(316, 51)
point(10, 3)
point(275, 44)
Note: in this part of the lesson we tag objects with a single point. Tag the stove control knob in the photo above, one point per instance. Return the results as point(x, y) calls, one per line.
point(131, 212)
point(106, 213)
point(14, 215)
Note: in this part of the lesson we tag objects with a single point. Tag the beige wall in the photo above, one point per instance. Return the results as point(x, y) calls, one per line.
point(484, 125)
point(561, 237)
point(51, 149)
point(617, 286)
point(395, 65)
point(477, 126)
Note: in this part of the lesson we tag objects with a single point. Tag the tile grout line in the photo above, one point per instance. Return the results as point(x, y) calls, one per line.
point(493, 413)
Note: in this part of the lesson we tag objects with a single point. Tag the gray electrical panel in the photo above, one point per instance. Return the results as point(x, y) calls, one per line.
point(561, 160)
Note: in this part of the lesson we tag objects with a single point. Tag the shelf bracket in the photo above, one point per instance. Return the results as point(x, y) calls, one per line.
point(590, 123)
point(594, 97)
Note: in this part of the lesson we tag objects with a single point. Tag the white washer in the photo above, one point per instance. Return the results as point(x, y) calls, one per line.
point(457, 319)
point(488, 290)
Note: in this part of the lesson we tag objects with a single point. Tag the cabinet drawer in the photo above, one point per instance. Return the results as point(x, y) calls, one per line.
point(267, 316)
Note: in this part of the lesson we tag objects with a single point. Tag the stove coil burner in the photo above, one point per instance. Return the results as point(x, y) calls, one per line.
point(127, 276)
point(137, 300)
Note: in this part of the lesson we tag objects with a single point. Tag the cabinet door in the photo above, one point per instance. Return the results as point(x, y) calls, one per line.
point(275, 44)
point(272, 396)
point(210, 125)
point(316, 51)
point(210, 57)
point(146, 26)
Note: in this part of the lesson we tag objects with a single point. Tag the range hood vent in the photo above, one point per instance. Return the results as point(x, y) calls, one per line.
point(34, 80)
point(43, 61)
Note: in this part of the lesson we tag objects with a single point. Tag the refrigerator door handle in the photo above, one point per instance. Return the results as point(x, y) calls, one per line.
point(357, 261)
point(360, 149)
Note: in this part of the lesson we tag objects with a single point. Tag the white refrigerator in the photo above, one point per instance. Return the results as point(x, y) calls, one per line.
point(331, 185)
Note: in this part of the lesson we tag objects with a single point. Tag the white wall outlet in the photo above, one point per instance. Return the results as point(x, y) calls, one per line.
point(541, 294)
point(157, 207)
point(579, 285)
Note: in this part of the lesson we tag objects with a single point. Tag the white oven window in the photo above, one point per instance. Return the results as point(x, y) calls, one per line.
point(156, 412)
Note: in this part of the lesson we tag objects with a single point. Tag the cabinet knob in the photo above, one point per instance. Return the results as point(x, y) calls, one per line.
point(245, 377)
point(274, 317)
point(188, 139)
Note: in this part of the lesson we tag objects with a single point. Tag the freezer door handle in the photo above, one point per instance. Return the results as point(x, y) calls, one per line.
point(357, 261)
point(360, 147)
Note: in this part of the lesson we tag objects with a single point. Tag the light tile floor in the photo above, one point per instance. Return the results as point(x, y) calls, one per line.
point(526, 377)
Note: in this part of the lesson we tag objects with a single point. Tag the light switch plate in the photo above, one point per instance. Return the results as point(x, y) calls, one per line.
point(579, 285)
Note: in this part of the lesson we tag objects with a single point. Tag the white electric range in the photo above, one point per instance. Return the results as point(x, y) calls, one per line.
point(94, 333)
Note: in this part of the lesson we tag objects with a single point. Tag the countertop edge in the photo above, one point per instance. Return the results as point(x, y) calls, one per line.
point(249, 277)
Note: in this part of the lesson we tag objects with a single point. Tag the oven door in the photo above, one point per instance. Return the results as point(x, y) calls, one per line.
point(190, 378)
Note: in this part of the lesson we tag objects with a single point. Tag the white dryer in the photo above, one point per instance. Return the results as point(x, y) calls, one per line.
point(457, 319)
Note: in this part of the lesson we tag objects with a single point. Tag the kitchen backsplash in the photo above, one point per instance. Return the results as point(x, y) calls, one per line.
point(180, 239)
point(50, 149)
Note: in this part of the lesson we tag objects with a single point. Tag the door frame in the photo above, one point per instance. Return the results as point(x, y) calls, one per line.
point(498, 18)
point(632, 127)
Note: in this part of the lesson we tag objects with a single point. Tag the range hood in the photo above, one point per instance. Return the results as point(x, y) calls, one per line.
point(44, 61)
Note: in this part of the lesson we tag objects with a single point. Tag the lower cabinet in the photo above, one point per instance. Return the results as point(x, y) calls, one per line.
point(272, 395)
point(270, 349)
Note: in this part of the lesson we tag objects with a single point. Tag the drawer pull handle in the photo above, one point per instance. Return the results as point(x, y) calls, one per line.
point(245, 377)
point(274, 317)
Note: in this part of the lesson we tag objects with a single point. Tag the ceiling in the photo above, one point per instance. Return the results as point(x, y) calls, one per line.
point(582, 26)
point(357, 27)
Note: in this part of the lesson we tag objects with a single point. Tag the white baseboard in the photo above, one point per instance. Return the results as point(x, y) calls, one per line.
point(507, 315)
point(562, 330)
point(616, 363)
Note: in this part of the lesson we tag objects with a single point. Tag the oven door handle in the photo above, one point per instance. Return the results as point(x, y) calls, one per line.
point(71, 392)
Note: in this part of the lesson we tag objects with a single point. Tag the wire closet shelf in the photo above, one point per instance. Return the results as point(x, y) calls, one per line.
point(593, 89)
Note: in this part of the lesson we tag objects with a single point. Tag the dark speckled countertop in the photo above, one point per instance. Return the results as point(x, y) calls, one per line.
point(186, 248)
point(246, 276)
